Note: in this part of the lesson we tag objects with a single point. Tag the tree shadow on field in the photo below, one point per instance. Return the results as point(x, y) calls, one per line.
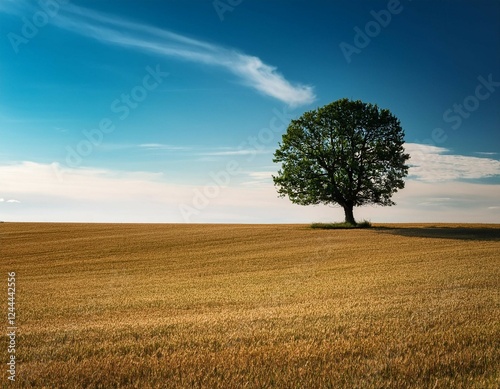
point(460, 233)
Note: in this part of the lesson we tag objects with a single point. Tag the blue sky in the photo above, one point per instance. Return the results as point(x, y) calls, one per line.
point(170, 111)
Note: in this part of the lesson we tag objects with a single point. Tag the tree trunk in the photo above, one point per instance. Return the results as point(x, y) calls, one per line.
point(349, 215)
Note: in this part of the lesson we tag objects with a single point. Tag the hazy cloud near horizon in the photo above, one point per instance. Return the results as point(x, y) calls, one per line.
point(89, 194)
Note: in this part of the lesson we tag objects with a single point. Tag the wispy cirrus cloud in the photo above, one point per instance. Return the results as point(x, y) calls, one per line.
point(250, 70)
point(236, 152)
point(161, 146)
point(259, 178)
point(489, 153)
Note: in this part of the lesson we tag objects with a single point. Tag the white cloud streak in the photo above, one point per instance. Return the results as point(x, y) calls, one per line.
point(250, 70)
point(261, 175)
point(433, 164)
point(11, 201)
point(236, 152)
point(486, 153)
point(160, 146)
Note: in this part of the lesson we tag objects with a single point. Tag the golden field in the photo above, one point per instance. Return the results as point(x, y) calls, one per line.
point(253, 306)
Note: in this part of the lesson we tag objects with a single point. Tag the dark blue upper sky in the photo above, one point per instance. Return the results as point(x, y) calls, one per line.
point(65, 67)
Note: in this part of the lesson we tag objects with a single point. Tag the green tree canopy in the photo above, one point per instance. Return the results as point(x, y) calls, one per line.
point(348, 153)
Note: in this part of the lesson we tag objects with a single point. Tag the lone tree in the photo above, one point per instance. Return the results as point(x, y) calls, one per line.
point(348, 153)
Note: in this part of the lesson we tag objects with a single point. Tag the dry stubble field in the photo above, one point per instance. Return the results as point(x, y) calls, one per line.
point(253, 306)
